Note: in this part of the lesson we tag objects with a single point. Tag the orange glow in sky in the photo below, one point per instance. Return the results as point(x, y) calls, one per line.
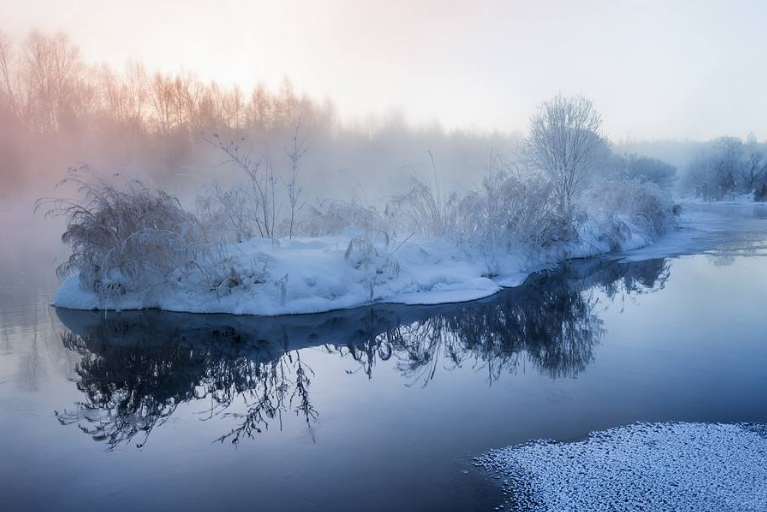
point(653, 68)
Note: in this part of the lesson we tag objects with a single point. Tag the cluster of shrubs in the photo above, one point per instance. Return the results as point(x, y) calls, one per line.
point(510, 211)
point(125, 237)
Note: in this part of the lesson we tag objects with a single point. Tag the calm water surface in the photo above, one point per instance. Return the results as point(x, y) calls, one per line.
point(378, 408)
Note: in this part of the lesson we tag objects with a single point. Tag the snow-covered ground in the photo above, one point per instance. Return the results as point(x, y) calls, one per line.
point(646, 466)
point(310, 275)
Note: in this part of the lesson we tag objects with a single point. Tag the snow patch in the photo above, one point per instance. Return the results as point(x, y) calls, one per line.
point(646, 466)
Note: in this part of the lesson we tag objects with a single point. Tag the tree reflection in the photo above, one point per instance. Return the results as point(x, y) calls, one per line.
point(548, 322)
point(136, 368)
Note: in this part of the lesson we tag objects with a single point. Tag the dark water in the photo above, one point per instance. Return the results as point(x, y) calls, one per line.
point(378, 408)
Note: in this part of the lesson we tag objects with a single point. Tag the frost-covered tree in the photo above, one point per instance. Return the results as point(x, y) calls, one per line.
point(565, 144)
point(728, 162)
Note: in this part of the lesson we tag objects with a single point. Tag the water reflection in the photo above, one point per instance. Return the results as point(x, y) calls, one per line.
point(137, 368)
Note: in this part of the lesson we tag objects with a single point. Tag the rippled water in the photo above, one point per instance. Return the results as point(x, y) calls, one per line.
point(378, 408)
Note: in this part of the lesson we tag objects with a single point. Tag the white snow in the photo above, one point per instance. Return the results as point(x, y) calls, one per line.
point(646, 466)
point(316, 276)
point(310, 275)
point(319, 278)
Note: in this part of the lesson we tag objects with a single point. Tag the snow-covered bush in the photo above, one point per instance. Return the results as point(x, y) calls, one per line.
point(260, 196)
point(372, 255)
point(332, 217)
point(227, 214)
point(512, 211)
point(644, 205)
point(225, 274)
point(125, 237)
point(425, 210)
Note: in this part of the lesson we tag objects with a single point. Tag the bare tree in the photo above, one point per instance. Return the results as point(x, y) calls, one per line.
point(137, 86)
point(294, 190)
point(235, 106)
point(260, 111)
point(8, 72)
point(113, 94)
point(260, 173)
point(566, 145)
point(55, 79)
point(163, 103)
point(754, 171)
point(727, 164)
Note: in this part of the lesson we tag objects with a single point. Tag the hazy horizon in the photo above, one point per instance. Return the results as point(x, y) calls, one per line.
point(426, 62)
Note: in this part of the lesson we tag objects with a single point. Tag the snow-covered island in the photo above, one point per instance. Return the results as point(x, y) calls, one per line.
point(310, 275)
point(134, 248)
point(261, 247)
point(258, 248)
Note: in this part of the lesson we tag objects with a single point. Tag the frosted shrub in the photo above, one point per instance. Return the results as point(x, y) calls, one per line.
point(227, 214)
point(373, 256)
point(223, 275)
point(425, 210)
point(260, 196)
point(124, 238)
point(333, 217)
point(511, 211)
point(644, 205)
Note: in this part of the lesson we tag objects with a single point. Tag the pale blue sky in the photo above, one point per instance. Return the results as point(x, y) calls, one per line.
point(655, 69)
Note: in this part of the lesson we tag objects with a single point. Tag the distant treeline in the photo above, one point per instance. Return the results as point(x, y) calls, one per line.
point(728, 166)
point(57, 110)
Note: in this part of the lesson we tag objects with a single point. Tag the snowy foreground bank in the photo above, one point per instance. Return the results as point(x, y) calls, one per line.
point(659, 466)
point(310, 275)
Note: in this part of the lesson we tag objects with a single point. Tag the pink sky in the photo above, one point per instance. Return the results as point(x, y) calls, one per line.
point(679, 69)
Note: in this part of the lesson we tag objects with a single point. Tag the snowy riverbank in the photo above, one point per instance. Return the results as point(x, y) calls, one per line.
point(658, 466)
point(310, 275)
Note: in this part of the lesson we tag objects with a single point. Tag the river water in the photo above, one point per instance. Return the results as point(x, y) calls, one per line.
point(376, 408)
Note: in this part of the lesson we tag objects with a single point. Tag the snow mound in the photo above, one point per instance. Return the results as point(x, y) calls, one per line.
point(309, 275)
point(312, 275)
point(645, 466)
